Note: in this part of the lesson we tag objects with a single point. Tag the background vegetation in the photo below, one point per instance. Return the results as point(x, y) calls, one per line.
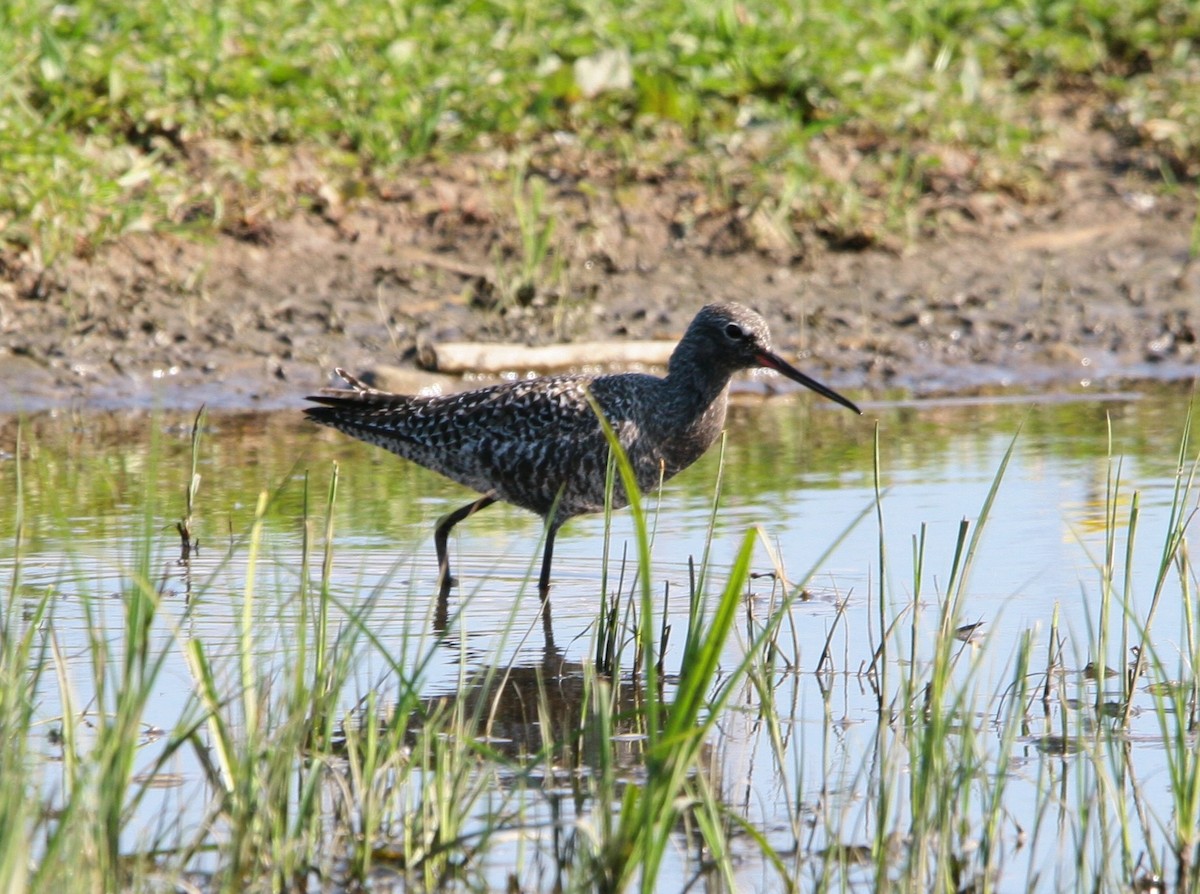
point(144, 114)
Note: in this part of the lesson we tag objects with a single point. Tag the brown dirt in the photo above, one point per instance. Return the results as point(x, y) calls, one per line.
point(1092, 284)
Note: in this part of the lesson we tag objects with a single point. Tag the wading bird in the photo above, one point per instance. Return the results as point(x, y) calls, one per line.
point(538, 444)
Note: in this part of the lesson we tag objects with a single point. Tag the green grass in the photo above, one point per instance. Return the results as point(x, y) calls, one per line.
point(118, 117)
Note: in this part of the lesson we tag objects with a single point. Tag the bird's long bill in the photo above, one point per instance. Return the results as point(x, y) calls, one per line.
point(777, 363)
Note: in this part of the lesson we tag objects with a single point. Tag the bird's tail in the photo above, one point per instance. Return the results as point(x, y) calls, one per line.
point(339, 402)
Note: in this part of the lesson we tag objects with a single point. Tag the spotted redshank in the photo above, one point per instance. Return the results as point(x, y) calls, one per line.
point(538, 444)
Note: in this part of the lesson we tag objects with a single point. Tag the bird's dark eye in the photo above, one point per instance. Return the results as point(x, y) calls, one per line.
point(734, 331)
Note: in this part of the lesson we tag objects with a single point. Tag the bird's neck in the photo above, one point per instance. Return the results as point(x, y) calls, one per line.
point(693, 414)
point(695, 388)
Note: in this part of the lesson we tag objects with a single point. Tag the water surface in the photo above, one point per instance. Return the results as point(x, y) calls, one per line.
point(801, 471)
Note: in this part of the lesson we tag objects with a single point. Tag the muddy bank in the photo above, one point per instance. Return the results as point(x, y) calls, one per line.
point(1092, 286)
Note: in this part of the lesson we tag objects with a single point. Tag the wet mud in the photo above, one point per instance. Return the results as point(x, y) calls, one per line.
point(1092, 285)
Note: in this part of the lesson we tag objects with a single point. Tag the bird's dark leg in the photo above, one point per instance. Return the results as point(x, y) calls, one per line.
point(547, 557)
point(544, 588)
point(442, 532)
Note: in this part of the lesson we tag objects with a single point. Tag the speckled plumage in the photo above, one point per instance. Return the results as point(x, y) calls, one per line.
point(527, 442)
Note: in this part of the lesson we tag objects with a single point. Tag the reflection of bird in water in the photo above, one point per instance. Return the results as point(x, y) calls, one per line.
point(538, 444)
point(538, 703)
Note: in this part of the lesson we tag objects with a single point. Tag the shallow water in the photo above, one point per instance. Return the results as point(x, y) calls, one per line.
point(801, 471)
